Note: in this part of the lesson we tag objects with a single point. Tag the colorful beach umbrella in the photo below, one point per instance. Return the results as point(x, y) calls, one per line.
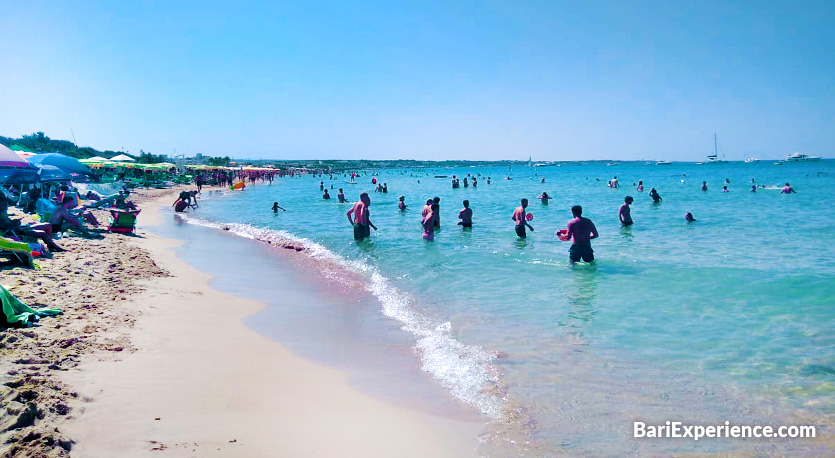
point(65, 163)
point(9, 158)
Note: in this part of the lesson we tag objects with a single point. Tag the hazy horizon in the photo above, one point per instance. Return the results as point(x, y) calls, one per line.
point(555, 81)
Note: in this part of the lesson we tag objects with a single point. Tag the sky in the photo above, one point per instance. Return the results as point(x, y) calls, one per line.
point(478, 80)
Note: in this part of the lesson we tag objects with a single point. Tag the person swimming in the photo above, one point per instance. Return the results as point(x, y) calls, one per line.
point(520, 219)
point(689, 217)
point(725, 189)
point(276, 207)
point(753, 188)
point(466, 216)
point(787, 189)
point(625, 214)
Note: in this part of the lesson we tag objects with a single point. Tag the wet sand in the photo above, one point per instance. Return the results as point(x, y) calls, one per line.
point(147, 359)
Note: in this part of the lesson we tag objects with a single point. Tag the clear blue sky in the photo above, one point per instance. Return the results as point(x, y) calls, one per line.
point(426, 80)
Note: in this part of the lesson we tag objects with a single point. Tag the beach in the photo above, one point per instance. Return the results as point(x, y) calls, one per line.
point(147, 358)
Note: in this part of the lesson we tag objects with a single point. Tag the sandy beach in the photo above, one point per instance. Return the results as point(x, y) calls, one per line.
point(148, 359)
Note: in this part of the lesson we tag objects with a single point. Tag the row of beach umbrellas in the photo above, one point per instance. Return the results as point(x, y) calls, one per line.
point(21, 167)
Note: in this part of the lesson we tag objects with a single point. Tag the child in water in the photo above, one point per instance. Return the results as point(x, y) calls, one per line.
point(276, 207)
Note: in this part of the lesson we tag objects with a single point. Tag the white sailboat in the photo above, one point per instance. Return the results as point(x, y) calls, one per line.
point(714, 158)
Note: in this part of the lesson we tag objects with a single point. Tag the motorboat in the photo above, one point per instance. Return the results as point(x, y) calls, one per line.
point(800, 157)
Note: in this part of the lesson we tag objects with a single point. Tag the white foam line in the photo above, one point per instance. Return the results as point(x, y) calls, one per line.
point(465, 370)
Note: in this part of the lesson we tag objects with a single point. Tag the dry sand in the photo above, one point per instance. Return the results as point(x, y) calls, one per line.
point(149, 360)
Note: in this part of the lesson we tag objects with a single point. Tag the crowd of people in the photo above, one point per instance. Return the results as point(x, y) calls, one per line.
point(580, 230)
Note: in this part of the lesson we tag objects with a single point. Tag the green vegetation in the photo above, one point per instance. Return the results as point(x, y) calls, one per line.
point(40, 143)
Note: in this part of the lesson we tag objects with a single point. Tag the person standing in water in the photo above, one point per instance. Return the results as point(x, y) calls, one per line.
point(326, 195)
point(401, 203)
point(428, 223)
point(656, 198)
point(276, 207)
point(582, 231)
point(520, 218)
point(625, 214)
point(640, 186)
point(544, 198)
point(341, 196)
point(753, 188)
point(466, 216)
point(437, 211)
point(704, 185)
point(361, 217)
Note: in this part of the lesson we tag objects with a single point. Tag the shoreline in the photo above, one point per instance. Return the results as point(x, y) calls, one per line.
point(206, 376)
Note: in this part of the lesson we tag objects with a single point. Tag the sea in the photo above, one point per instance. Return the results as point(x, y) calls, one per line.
point(725, 319)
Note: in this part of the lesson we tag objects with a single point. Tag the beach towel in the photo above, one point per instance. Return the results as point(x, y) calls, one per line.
point(16, 312)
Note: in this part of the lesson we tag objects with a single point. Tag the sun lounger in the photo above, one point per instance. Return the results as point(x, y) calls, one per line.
point(122, 220)
point(17, 250)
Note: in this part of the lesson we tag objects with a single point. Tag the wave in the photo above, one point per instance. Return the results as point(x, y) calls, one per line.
point(466, 371)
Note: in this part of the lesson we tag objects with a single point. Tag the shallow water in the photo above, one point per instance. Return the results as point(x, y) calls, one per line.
point(728, 318)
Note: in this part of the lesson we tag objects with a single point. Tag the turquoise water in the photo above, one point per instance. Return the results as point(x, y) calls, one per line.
point(728, 318)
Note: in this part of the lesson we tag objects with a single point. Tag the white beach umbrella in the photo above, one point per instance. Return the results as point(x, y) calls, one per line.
point(122, 158)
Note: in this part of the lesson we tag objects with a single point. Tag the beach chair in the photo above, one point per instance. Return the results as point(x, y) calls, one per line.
point(18, 250)
point(122, 220)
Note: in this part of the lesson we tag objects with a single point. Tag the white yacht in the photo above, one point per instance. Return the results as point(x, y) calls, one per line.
point(663, 162)
point(752, 160)
point(800, 157)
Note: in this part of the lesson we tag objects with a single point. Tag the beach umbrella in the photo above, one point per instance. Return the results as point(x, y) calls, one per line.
point(18, 175)
point(52, 173)
point(9, 158)
point(25, 155)
point(94, 159)
point(122, 158)
point(68, 164)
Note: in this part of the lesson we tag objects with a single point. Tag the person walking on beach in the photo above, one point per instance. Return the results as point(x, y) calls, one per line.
point(361, 217)
point(624, 214)
point(519, 218)
point(582, 231)
point(276, 207)
point(466, 216)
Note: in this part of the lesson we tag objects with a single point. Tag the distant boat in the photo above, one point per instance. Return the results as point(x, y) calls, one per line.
point(714, 158)
point(752, 160)
point(779, 163)
point(662, 162)
point(612, 164)
point(800, 157)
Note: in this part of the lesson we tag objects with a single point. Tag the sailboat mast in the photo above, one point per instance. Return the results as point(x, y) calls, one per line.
point(715, 147)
